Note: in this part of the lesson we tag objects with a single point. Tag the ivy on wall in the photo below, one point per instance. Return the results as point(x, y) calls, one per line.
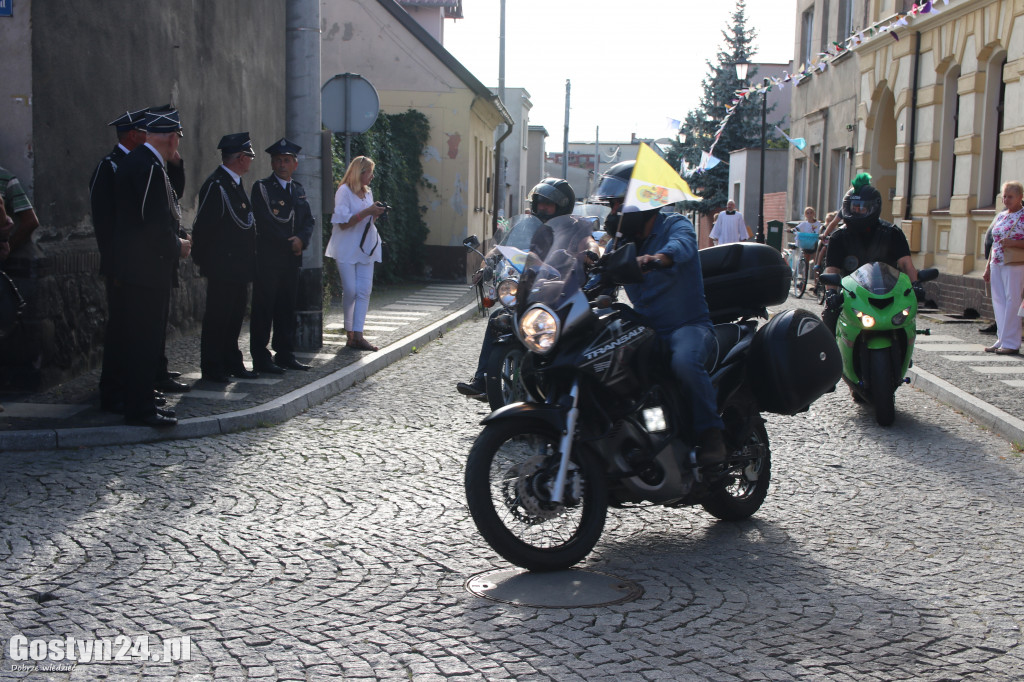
point(395, 143)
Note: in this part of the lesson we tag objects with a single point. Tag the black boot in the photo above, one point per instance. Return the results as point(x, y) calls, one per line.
point(711, 448)
point(476, 388)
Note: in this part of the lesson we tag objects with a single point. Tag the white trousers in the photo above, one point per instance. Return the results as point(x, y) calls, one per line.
point(1007, 282)
point(356, 285)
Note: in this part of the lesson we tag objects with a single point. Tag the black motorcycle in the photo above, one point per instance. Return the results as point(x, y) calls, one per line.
point(604, 424)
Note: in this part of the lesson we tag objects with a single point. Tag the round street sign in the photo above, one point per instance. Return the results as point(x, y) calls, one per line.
point(349, 104)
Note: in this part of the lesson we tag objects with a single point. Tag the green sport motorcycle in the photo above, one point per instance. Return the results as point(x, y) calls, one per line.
point(876, 332)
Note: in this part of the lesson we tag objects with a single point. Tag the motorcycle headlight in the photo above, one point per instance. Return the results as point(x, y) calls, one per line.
point(539, 330)
point(866, 320)
point(507, 292)
point(900, 317)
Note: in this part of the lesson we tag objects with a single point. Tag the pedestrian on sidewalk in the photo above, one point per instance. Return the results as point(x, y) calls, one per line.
point(145, 250)
point(992, 328)
point(19, 207)
point(1005, 270)
point(355, 245)
point(284, 226)
point(729, 226)
point(225, 251)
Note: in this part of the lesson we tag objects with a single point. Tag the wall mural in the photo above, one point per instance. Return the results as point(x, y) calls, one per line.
point(458, 196)
point(453, 145)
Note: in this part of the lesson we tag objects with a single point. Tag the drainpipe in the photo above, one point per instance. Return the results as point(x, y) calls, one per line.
point(913, 124)
point(498, 190)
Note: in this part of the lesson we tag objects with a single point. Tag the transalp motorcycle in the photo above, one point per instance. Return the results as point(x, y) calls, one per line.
point(876, 331)
point(604, 423)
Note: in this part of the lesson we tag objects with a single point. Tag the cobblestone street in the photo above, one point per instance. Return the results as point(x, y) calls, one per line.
point(338, 545)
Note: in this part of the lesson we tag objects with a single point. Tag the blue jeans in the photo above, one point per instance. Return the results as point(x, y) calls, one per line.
point(692, 346)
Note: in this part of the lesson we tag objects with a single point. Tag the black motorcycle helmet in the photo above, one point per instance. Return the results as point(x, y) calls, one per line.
point(613, 184)
point(862, 204)
point(612, 187)
point(557, 191)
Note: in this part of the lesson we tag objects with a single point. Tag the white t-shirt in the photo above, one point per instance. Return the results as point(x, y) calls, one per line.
point(729, 228)
point(805, 226)
point(344, 244)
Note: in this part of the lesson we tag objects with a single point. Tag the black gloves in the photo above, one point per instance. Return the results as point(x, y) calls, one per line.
point(833, 300)
point(919, 291)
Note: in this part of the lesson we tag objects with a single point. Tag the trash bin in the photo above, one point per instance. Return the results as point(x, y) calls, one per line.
point(774, 234)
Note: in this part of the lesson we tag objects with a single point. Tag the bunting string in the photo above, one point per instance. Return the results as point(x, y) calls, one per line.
point(821, 62)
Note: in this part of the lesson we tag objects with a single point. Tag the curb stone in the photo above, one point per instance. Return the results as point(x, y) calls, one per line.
point(274, 411)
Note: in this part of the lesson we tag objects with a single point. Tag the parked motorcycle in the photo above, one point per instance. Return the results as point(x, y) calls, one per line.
point(876, 332)
point(604, 423)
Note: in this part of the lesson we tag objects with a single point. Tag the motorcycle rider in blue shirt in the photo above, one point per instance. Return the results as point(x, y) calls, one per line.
point(671, 297)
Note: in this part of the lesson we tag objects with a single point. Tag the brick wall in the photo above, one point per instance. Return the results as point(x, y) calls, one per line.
point(774, 207)
point(956, 294)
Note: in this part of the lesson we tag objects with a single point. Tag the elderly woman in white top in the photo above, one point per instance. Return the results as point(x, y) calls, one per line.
point(1006, 277)
point(355, 245)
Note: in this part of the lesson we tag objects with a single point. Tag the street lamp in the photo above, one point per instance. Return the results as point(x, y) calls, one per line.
point(741, 73)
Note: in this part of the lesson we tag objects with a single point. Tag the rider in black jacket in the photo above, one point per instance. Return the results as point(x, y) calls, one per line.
point(864, 239)
point(551, 197)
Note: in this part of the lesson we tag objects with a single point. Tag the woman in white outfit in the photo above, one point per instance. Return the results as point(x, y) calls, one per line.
point(355, 245)
point(1007, 279)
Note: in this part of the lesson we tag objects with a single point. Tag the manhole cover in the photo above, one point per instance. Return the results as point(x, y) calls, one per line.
point(555, 590)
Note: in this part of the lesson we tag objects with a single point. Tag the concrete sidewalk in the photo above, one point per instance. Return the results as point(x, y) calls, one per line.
point(950, 365)
point(402, 318)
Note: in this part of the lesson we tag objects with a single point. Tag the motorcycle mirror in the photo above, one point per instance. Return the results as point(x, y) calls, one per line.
point(471, 242)
point(927, 275)
point(830, 279)
point(621, 266)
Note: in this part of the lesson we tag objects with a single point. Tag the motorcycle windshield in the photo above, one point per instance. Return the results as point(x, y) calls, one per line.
point(878, 278)
point(552, 275)
point(520, 234)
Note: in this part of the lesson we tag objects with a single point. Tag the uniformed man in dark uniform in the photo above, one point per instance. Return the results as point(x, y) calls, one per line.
point(167, 380)
point(131, 132)
point(284, 226)
point(224, 234)
point(145, 248)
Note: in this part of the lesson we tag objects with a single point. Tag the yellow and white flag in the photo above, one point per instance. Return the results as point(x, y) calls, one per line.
point(654, 183)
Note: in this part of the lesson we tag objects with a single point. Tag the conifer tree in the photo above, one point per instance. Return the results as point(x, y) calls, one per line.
point(699, 126)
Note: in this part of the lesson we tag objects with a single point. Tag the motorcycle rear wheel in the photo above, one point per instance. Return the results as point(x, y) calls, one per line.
point(507, 473)
point(882, 389)
point(503, 368)
point(747, 481)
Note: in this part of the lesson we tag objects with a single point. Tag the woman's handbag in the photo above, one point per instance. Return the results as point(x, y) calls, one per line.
point(1013, 256)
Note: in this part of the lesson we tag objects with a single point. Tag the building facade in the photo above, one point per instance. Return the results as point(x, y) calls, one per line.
point(935, 117)
point(420, 74)
point(72, 68)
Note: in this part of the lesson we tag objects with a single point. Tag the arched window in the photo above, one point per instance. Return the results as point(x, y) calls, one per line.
point(992, 127)
point(947, 135)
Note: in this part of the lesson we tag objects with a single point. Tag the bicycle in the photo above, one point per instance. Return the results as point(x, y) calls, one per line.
point(819, 288)
point(799, 251)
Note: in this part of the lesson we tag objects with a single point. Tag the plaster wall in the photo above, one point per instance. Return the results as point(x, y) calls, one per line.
point(458, 159)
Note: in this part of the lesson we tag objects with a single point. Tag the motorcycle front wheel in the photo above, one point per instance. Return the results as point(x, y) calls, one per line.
point(882, 389)
point(509, 474)
point(745, 484)
point(503, 368)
